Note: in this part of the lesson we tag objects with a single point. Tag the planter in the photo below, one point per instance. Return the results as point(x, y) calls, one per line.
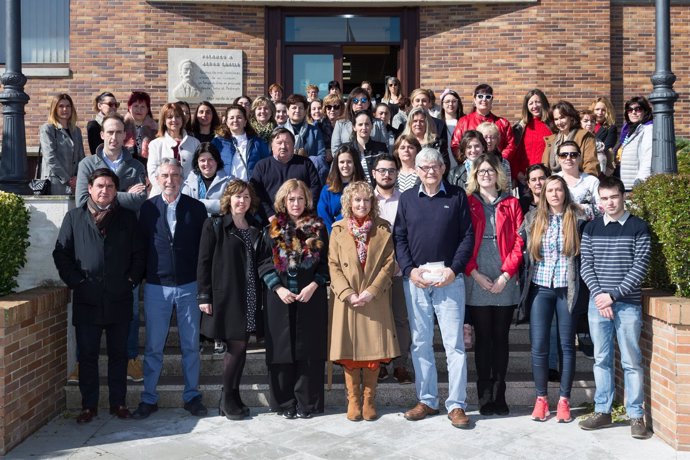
point(33, 361)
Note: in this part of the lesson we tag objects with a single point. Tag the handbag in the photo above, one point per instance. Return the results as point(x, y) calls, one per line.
point(39, 186)
point(523, 309)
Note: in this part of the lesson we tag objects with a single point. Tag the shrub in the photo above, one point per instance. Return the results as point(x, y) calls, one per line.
point(664, 202)
point(14, 239)
point(683, 155)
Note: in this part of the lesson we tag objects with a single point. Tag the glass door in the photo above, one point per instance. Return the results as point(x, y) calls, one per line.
point(310, 65)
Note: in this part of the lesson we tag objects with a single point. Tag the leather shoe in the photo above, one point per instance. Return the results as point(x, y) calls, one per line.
point(402, 376)
point(419, 412)
point(289, 413)
point(196, 407)
point(86, 416)
point(120, 411)
point(458, 418)
point(144, 410)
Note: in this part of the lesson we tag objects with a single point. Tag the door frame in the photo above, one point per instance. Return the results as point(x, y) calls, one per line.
point(276, 63)
point(291, 50)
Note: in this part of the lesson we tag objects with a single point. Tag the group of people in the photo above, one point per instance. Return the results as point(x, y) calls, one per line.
point(249, 224)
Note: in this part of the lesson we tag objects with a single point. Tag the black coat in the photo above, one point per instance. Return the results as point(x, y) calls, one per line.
point(102, 271)
point(608, 135)
point(298, 331)
point(222, 278)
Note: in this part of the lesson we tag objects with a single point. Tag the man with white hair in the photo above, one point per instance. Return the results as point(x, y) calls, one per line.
point(433, 242)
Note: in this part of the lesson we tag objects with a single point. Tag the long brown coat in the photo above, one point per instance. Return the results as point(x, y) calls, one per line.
point(363, 333)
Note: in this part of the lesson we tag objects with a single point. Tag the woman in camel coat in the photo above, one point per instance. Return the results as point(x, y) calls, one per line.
point(361, 264)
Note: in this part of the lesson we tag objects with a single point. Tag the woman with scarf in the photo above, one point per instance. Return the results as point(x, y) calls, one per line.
point(227, 257)
point(362, 264)
point(140, 127)
point(261, 117)
point(294, 267)
point(568, 126)
point(634, 150)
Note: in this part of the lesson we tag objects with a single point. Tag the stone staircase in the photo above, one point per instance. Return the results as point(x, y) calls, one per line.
point(254, 388)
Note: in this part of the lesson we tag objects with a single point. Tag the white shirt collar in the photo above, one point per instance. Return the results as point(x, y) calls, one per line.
point(621, 220)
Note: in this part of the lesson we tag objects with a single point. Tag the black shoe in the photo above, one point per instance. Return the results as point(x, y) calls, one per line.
point(196, 407)
point(586, 345)
point(487, 408)
point(245, 409)
point(303, 414)
point(383, 373)
point(144, 410)
point(289, 413)
point(596, 421)
point(554, 375)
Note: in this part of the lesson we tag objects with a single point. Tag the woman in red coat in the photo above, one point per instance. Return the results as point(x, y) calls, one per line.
point(491, 282)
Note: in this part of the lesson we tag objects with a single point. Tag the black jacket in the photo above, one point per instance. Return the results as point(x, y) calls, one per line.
point(102, 270)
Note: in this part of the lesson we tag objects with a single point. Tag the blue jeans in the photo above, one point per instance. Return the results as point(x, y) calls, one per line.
point(133, 335)
point(626, 326)
point(158, 305)
point(448, 303)
point(545, 303)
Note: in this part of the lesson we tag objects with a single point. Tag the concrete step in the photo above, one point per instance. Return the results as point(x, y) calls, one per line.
point(254, 390)
point(520, 361)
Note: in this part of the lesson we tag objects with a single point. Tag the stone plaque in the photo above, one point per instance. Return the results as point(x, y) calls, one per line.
point(200, 74)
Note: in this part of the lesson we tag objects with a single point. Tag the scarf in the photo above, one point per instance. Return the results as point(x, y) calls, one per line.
point(263, 131)
point(560, 138)
point(300, 136)
point(101, 217)
point(359, 229)
point(297, 244)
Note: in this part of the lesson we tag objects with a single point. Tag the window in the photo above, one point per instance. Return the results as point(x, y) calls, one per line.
point(346, 28)
point(45, 31)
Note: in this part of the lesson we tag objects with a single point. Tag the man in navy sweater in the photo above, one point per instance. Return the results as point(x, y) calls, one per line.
point(615, 257)
point(170, 224)
point(433, 225)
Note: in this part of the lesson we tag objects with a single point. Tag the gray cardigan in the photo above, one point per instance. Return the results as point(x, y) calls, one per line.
point(213, 194)
point(342, 134)
point(61, 153)
point(130, 172)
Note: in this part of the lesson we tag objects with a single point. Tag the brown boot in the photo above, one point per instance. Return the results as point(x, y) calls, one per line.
point(369, 382)
point(353, 380)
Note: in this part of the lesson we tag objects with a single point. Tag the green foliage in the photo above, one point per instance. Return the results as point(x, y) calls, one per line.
point(683, 155)
point(664, 202)
point(14, 239)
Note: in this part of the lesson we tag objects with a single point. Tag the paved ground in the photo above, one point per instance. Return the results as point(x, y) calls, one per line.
point(173, 434)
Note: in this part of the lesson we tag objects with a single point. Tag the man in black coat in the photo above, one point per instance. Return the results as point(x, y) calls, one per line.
point(100, 256)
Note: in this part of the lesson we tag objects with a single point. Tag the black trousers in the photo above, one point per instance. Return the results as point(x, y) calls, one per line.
point(88, 348)
point(491, 327)
point(298, 384)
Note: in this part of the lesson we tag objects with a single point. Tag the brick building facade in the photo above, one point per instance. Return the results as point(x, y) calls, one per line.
point(572, 50)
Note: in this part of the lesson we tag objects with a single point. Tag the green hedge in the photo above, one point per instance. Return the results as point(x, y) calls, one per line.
point(683, 155)
point(664, 202)
point(14, 239)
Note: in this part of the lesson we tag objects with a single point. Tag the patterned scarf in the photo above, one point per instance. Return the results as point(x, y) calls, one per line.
point(263, 131)
point(102, 217)
point(297, 243)
point(360, 232)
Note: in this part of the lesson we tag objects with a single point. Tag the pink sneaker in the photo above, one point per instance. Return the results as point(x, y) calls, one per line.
point(541, 409)
point(563, 411)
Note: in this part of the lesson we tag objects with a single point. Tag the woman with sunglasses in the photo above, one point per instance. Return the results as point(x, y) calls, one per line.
point(346, 168)
point(103, 104)
point(481, 112)
point(583, 187)
point(358, 101)
point(392, 95)
point(552, 235)
point(634, 149)
point(567, 121)
point(332, 110)
point(491, 287)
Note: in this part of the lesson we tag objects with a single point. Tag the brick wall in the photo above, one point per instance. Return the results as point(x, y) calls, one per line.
point(33, 361)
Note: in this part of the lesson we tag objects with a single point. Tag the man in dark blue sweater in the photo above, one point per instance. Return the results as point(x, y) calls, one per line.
point(615, 257)
point(170, 224)
point(433, 225)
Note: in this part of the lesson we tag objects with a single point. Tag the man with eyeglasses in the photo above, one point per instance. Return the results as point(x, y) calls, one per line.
point(433, 242)
point(483, 103)
point(170, 224)
point(385, 172)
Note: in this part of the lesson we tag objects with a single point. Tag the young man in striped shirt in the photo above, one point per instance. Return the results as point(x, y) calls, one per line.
point(615, 256)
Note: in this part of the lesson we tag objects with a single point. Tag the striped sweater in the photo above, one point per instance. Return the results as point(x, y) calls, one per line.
point(615, 258)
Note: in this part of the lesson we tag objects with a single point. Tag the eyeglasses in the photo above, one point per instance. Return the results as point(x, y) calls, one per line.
point(333, 107)
point(363, 100)
point(428, 169)
point(568, 154)
point(482, 96)
point(485, 172)
point(637, 109)
point(384, 171)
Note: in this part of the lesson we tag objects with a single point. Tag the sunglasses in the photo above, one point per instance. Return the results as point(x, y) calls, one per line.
point(111, 104)
point(568, 154)
point(393, 84)
point(482, 96)
point(363, 100)
point(333, 107)
point(637, 109)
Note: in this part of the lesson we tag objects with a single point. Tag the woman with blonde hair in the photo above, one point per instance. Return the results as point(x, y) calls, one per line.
point(420, 125)
point(293, 264)
point(62, 146)
point(361, 263)
point(492, 290)
point(605, 129)
point(261, 117)
point(552, 234)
